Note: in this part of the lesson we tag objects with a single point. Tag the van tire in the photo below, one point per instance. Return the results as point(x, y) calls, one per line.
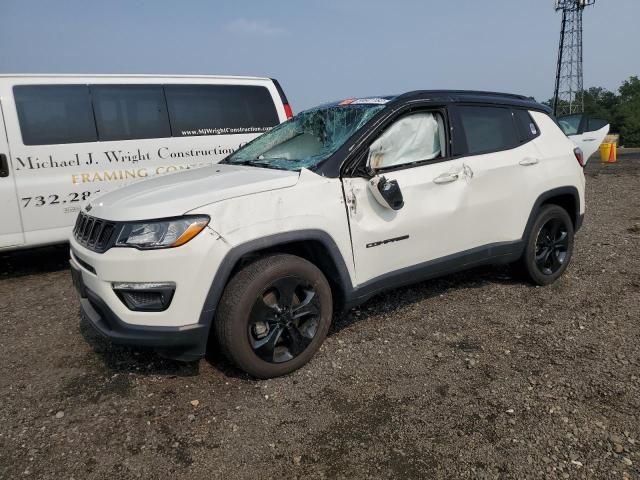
point(264, 283)
point(541, 249)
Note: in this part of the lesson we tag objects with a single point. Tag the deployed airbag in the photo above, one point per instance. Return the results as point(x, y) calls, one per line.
point(411, 139)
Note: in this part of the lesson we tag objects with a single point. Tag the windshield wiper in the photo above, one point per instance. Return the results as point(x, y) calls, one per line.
point(256, 163)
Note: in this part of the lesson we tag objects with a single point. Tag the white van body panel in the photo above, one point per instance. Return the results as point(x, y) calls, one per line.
point(53, 182)
point(11, 225)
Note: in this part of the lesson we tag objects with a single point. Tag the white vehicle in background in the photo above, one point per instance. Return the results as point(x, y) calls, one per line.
point(586, 132)
point(64, 139)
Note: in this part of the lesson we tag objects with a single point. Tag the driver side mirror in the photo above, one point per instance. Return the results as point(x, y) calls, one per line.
point(386, 192)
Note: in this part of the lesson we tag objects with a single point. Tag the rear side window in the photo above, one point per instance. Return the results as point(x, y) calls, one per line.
point(488, 129)
point(126, 112)
point(219, 109)
point(54, 114)
point(527, 128)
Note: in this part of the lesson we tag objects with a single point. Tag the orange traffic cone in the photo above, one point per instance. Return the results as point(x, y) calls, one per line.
point(613, 157)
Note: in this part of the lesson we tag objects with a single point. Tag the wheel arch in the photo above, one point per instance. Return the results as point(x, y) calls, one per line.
point(317, 246)
point(565, 197)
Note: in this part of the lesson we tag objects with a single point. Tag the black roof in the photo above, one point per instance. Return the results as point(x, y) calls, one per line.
point(472, 96)
point(451, 96)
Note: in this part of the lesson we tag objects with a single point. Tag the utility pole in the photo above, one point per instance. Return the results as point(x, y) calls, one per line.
point(568, 95)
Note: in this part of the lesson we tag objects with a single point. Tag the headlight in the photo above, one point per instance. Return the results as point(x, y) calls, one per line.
point(161, 233)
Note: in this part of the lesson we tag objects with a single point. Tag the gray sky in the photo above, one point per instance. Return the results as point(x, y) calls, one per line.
point(322, 50)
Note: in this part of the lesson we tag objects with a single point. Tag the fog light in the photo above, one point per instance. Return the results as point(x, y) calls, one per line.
point(145, 297)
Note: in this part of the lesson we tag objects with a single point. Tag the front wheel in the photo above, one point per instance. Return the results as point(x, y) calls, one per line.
point(549, 245)
point(273, 315)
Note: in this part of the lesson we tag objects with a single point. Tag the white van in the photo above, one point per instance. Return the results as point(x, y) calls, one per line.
point(66, 138)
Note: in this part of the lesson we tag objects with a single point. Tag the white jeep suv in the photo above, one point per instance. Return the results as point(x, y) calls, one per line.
point(255, 254)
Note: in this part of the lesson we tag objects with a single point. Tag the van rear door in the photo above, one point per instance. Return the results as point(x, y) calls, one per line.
point(11, 234)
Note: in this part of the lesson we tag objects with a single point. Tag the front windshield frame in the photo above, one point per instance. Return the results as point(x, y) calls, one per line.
point(362, 113)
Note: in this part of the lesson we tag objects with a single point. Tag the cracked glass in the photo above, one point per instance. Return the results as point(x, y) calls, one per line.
point(307, 139)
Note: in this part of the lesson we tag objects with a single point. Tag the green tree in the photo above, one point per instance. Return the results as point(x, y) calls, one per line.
point(601, 103)
point(628, 112)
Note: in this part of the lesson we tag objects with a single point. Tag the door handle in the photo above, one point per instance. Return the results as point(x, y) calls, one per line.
point(4, 165)
point(528, 162)
point(446, 178)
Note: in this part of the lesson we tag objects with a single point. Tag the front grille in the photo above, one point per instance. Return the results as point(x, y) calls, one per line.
point(93, 233)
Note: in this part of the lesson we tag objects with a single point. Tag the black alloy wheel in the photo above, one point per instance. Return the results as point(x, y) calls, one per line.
point(549, 245)
point(274, 314)
point(284, 319)
point(552, 245)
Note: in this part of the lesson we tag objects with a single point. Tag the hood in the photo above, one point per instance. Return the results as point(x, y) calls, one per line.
point(175, 194)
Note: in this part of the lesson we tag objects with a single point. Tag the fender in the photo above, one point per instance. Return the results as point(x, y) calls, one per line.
point(223, 273)
point(568, 190)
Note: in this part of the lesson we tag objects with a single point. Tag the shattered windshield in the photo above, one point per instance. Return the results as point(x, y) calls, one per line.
point(307, 139)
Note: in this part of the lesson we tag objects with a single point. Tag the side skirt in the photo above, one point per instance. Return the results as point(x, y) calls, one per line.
point(504, 252)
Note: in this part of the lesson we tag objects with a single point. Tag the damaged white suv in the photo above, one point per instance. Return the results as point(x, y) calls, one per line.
point(254, 255)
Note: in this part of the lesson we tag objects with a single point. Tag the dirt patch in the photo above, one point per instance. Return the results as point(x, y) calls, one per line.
point(475, 375)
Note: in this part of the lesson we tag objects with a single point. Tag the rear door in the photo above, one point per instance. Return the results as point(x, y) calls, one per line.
point(586, 132)
point(499, 163)
point(11, 225)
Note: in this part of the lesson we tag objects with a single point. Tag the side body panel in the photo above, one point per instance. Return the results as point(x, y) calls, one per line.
point(314, 203)
point(426, 227)
point(558, 166)
point(11, 223)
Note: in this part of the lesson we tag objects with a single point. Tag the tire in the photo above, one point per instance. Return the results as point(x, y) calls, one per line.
point(549, 246)
point(259, 329)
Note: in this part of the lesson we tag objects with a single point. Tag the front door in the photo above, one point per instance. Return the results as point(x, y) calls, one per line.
point(11, 224)
point(413, 151)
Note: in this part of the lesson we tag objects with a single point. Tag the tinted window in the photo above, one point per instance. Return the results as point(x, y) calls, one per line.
point(52, 114)
point(527, 128)
point(570, 124)
point(488, 129)
point(596, 124)
point(219, 109)
point(125, 112)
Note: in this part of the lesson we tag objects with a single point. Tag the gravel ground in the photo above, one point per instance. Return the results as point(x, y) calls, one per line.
point(474, 375)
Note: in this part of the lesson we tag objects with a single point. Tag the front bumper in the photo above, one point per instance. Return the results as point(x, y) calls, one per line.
point(185, 343)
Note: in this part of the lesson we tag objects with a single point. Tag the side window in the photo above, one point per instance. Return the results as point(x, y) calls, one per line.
point(570, 124)
point(488, 129)
point(220, 109)
point(527, 128)
point(412, 138)
point(595, 124)
point(126, 112)
point(54, 114)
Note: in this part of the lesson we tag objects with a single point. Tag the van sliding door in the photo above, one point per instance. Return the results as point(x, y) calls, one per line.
point(11, 225)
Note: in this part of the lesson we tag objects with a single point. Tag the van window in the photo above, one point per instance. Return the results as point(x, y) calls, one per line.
point(488, 129)
point(219, 109)
point(53, 114)
point(126, 112)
